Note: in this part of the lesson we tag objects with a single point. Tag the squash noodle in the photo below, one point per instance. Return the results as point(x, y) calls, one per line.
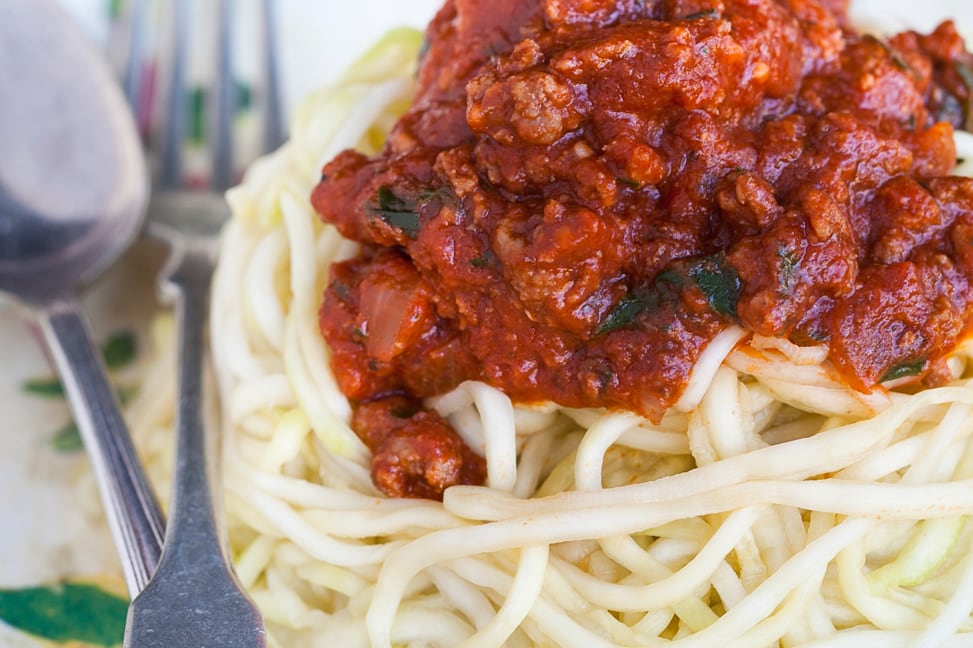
point(772, 507)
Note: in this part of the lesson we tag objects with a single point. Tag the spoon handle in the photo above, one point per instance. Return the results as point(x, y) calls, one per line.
point(133, 514)
point(194, 598)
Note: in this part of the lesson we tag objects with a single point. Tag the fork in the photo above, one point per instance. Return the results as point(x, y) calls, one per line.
point(194, 599)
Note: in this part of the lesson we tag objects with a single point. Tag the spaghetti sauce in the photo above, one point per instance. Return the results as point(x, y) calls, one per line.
point(586, 192)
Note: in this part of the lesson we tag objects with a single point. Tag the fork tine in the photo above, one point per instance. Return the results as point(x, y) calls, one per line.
point(273, 133)
point(170, 171)
point(225, 100)
point(135, 58)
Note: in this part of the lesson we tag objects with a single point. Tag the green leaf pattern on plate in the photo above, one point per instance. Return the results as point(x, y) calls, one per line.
point(67, 439)
point(72, 613)
point(118, 352)
point(44, 387)
point(120, 349)
point(63, 613)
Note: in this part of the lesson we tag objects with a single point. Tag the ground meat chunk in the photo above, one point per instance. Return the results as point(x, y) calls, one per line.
point(415, 452)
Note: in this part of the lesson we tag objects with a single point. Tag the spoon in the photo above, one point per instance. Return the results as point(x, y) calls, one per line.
point(73, 189)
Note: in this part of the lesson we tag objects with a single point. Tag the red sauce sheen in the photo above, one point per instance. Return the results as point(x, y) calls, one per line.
point(586, 192)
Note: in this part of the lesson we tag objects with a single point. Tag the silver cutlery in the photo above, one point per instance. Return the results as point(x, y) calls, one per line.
point(194, 598)
point(73, 186)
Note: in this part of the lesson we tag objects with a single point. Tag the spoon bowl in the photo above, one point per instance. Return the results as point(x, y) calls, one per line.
point(73, 181)
point(73, 190)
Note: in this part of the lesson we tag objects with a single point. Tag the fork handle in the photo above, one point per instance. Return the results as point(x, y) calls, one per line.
point(133, 514)
point(192, 511)
point(193, 599)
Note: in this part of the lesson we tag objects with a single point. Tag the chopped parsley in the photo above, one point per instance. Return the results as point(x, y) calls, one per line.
point(396, 211)
point(951, 110)
point(904, 369)
point(787, 263)
point(402, 213)
point(965, 73)
point(626, 310)
point(899, 62)
point(483, 260)
point(719, 282)
point(894, 56)
point(709, 13)
point(341, 289)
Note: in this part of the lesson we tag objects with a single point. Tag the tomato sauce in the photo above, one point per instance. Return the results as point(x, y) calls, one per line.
point(586, 192)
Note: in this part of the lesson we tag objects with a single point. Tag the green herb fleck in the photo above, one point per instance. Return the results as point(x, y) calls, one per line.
point(818, 335)
point(69, 612)
point(719, 282)
point(628, 182)
point(670, 277)
point(67, 439)
point(44, 387)
point(965, 73)
point(625, 311)
point(894, 56)
point(904, 369)
point(341, 289)
point(483, 260)
point(604, 374)
point(395, 211)
point(787, 263)
point(440, 193)
point(120, 349)
point(709, 13)
point(951, 111)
